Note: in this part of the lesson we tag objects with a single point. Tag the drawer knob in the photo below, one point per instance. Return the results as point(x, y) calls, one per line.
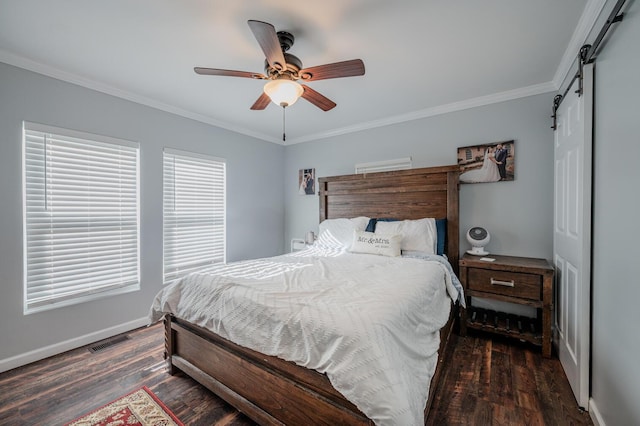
point(511, 283)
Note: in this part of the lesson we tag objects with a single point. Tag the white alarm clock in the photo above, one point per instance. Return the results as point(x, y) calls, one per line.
point(478, 237)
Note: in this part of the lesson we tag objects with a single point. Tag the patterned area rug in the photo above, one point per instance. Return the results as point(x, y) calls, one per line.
point(139, 408)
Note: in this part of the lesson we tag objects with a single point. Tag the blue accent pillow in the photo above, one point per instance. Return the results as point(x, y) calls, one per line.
point(441, 229)
point(371, 226)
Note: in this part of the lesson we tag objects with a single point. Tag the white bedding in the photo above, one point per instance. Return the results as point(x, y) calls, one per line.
point(371, 323)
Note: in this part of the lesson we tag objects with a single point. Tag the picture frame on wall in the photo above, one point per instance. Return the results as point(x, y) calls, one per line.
point(492, 162)
point(307, 181)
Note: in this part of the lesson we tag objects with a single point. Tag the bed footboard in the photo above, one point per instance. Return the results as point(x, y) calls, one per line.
point(267, 389)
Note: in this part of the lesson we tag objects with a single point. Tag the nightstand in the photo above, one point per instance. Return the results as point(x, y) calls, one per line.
point(520, 280)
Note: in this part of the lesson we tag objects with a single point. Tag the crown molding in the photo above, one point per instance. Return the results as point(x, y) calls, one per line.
point(585, 25)
point(56, 73)
point(509, 95)
point(49, 71)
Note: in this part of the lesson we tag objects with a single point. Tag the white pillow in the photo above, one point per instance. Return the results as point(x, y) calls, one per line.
point(417, 235)
point(375, 243)
point(339, 232)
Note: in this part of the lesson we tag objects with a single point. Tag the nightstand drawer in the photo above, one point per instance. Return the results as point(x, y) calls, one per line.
point(515, 284)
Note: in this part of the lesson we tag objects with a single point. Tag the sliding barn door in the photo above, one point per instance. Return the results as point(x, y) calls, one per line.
point(572, 234)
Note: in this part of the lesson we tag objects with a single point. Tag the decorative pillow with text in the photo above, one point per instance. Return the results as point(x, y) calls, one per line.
point(371, 243)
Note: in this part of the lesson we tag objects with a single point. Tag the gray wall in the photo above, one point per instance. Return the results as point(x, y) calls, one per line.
point(255, 226)
point(615, 374)
point(518, 214)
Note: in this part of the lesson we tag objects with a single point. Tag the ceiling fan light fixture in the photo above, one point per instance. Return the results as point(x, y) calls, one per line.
point(283, 92)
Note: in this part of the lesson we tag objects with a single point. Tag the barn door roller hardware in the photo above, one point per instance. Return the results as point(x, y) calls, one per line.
point(556, 103)
point(587, 55)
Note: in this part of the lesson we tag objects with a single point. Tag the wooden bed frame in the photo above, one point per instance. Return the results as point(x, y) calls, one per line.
point(272, 391)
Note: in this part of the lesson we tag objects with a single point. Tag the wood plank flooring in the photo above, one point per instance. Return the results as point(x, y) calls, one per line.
point(492, 380)
point(486, 382)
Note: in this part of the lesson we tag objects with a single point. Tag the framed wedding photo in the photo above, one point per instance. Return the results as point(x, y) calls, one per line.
point(493, 162)
point(307, 181)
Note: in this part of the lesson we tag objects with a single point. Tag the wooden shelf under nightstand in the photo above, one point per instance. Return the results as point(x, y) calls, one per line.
point(521, 280)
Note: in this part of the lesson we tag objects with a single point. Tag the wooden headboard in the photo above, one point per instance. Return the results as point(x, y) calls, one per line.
point(403, 194)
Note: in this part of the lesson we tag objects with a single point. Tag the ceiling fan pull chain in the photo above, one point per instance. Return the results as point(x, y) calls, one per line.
point(284, 137)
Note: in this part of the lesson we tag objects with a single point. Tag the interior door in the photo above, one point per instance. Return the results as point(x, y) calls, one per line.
point(572, 234)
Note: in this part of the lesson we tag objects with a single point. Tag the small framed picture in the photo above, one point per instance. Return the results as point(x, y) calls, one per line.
point(494, 162)
point(307, 181)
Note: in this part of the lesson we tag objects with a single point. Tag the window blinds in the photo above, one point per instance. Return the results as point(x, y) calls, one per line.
point(384, 166)
point(81, 216)
point(194, 212)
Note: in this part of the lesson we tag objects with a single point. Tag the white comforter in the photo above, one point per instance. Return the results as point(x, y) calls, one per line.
point(371, 323)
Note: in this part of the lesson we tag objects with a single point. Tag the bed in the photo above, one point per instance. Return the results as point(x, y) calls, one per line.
point(271, 390)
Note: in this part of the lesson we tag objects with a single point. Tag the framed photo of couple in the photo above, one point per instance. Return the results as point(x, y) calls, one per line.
point(307, 181)
point(494, 162)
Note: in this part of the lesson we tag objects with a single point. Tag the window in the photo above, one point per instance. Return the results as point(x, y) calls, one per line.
point(384, 166)
point(81, 222)
point(194, 212)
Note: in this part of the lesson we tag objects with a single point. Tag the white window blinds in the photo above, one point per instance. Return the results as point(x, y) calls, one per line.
point(194, 212)
point(81, 216)
point(384, 166)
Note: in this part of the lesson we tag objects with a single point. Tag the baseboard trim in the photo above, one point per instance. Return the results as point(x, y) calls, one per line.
point(47, 351)
point(596, 417)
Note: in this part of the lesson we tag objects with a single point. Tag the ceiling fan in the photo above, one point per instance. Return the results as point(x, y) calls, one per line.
point(283, 70)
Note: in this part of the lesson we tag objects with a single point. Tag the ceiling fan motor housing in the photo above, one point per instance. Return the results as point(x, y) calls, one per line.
point(292, 67)
point(286, 40)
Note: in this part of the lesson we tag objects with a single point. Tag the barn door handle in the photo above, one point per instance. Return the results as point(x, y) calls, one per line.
point(511, 283)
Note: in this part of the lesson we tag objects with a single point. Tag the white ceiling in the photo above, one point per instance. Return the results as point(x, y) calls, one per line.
point(422, 57)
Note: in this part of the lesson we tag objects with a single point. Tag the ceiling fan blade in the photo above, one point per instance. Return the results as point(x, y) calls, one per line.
point(229, 73)
point(267, 38)
point(261, 103)
point(317, 99)
point(350, 68)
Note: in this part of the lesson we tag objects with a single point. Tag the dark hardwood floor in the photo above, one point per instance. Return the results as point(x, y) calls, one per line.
point(491, 380)
point(486, 382)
